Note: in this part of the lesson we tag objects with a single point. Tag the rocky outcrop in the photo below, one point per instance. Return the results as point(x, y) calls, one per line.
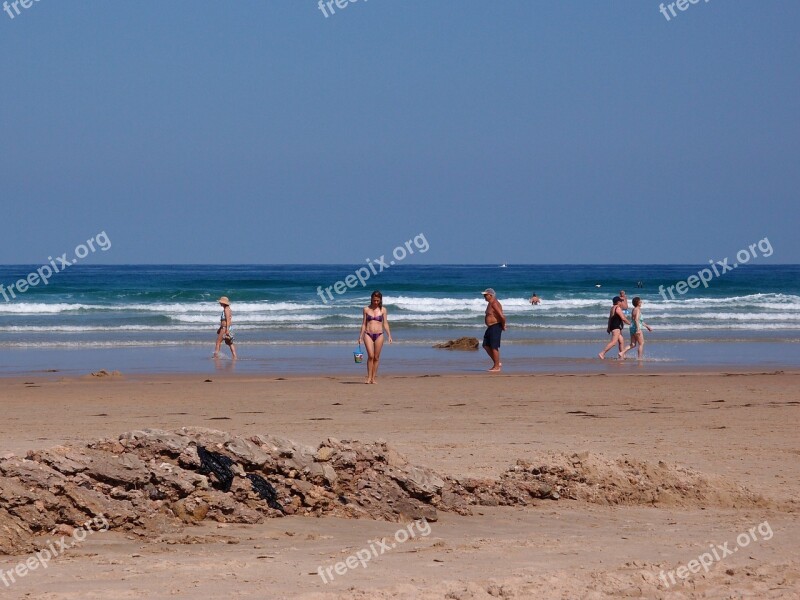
point(462, 343)
point(104, 373)
point(155, 481)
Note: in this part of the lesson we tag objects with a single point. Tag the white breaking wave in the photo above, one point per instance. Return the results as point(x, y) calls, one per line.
point(207, 308)
point(778, 302)
point(256, 318)
point(771, 301)
point(39, 308)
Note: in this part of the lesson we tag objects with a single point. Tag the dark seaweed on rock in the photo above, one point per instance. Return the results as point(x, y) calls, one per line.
point(264, 489)
point(218, 464)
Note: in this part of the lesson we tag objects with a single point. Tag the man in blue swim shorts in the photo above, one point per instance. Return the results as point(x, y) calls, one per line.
point(495, 325)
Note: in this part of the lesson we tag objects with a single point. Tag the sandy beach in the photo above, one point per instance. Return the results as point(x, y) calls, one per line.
point(562, 234)
point(738, 430)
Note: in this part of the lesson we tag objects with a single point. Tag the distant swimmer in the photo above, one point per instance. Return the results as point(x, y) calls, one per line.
point(535, 299)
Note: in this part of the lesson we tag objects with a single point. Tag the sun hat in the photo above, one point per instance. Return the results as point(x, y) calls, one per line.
point(224, 300)
point(489, 291)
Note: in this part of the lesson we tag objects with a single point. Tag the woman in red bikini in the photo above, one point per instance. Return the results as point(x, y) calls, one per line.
point(371, 333)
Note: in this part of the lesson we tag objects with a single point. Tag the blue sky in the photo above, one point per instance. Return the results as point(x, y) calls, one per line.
point(525, 131)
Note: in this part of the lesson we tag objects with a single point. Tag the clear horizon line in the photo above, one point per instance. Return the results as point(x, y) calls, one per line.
point(313, 264)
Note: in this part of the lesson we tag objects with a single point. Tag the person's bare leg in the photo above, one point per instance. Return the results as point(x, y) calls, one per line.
point(496, 359)
point(621, 344)
point(489, 352)
point(219, 343)
point(370, 346)
point(629, 348)
point(610, 344)
point(494, 354)
point(640, 349)
point(377, 359)
point(233, 351)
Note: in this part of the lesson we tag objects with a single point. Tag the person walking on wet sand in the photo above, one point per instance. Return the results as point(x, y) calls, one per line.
point(373, 323)
point(495, 326)
point(616, 318)
point(224, 332)
point(637, 327)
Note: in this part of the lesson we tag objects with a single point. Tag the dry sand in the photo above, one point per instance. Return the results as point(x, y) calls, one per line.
point(740, 427)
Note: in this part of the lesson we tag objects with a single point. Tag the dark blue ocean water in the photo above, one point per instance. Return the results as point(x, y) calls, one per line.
point(131, 311)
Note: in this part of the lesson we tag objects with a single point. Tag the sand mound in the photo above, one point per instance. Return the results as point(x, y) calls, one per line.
point(153, 481)
point(623, 481)
point(632, 580)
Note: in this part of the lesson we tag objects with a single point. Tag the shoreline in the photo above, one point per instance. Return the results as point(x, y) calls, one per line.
point(399, 358)
point(54, 376)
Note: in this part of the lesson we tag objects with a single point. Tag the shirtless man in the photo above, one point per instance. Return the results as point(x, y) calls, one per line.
point(495, 325)
point(624, 302)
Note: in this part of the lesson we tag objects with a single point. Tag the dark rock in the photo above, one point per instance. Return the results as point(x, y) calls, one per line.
point(462, 343)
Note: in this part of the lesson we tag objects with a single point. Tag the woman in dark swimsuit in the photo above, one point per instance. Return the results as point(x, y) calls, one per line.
point(616, 318)
point(371, 333)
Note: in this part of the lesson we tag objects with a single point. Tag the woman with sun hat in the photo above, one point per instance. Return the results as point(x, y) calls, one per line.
point(224, 332)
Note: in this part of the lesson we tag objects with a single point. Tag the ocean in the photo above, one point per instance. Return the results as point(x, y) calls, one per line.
point(163, 318)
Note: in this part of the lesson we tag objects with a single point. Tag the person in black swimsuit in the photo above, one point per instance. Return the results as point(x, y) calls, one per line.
point(616, 320)
point(371, 334)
